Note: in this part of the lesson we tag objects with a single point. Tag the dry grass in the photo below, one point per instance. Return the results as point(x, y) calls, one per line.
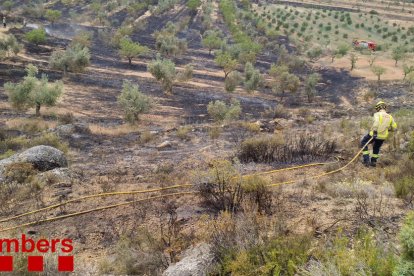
point(113, 131)
point(30, 123)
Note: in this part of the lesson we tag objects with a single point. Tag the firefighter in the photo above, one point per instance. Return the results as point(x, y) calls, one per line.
point(383, 122)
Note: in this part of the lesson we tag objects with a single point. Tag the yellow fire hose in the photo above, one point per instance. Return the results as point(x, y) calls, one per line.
point(160, 196)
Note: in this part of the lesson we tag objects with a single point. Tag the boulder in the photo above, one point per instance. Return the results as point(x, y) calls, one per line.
point(43, 158)
point(196, 261)
point(165, 145)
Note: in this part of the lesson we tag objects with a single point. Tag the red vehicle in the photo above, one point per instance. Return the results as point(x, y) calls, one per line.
point(364, 44)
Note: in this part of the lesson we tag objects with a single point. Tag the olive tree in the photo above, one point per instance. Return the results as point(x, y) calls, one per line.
point(211, 40)
point(9, 46)
point(133, 102)
point(33, 92)
point(310, 85)
point(129, 49)
point(407, 70)
point(378, 71)
point(74, 59)
point(231, 82)
point(36, 36)
point(398, 53)
point(53, 15)
point(219, 111)
point(167, 43)
point(163, 70)
point(252, 77)
point(353, 58)
point(226, 62)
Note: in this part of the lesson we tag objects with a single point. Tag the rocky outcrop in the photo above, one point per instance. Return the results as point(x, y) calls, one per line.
point(43, 158)
point(196, 261)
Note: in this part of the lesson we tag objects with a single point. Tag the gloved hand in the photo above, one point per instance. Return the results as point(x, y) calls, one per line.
point(375, 134)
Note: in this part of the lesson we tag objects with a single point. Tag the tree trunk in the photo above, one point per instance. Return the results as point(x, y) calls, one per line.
point(37, 110)
point(209, 52)
point(130, 61)
point(226, 75)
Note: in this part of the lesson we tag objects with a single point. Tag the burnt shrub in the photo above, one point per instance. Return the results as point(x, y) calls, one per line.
point(223, 188)
point(272, 148)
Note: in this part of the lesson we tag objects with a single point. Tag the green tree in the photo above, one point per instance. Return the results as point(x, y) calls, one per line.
point(405, 267)
point(9, 46)
point(340, 51)
point(314, 54)
point(211, 40)
point(133, 102)
point(398, 53)
point(310, 85)
point(33, 92)
point(167, 42)
point(231, 82)
point(226, 62)
point(8, 5)
point(288, 82)
point(36, 36)
point(252, 77)
point(219, 111)
point(129, 49)
point(163, 70)
point(353, 58)
point(407, 70)
point(53, 15)
point(73, 59)
point(193, 5)
point(378, 71)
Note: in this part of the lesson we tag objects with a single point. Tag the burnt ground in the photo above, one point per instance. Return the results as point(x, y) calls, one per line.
point(108, 156)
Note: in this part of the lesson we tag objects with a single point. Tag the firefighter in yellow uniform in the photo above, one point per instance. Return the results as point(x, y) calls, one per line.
point(383, 123)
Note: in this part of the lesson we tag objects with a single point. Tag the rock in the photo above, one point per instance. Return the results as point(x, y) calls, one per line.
point(58, 175)
point(196, 261)
point(72, 129)
point(164, 145)
point(43, 158)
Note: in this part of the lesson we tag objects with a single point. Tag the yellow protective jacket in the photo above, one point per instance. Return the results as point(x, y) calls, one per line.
point(383, 122)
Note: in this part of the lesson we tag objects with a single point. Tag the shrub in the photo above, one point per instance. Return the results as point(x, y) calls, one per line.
point(182, 132)
point(83, 38)
point(9, 46)
point(133, 102)
point(36, 36)
point(167, 43)
point(219, 111)
point(252, 77)
point(129, 49)
point(74, 59)
point(273, 148)
point(405, 267)
point(404, 188)
point(53, 15)
point(398, 53)
point(231, 82)
point(33, 92)
point(314, 54)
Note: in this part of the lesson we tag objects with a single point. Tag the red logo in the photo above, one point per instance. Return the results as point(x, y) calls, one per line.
point(35, 263)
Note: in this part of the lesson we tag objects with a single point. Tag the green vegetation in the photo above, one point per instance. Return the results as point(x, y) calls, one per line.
point(9, 46)
point(378, 71)
point(74, 59)
point(33, 92)
point(133, 102)
point(398, 53)
point(405, 266)
point(163, 70)
point(211, 40)
point(36, 36)
point(129, 49)
point(53, 15)
point(167, 42)
point(310, 85)
point(226, 62)
point(219, 111)
point(252, 77)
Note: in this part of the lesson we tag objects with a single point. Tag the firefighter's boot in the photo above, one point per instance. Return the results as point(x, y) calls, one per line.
point(365, 160)
point(373, 162)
